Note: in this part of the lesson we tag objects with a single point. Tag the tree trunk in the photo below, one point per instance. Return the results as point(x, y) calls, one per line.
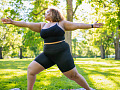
point(102, 51)
point(20, 52)
point(1, 53)
point(68, 34)
point(117, 56)
point(117, 45)
point(107, 53)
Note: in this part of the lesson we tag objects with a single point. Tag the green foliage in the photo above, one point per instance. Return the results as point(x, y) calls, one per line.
point(106, 12)
point(83, 49)
point(13, 37)
point(10, 39)
point(90, 53)
point(78, 2)
point(55, 2)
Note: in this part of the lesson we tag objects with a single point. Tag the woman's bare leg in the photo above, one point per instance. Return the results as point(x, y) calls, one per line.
point(33, 69)
point(74, 75)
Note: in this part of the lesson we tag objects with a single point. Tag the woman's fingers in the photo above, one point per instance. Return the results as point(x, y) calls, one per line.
point(6, 21)
point(3, 20)
point(9, 18)
point(101, 24)
point(96, 21)
point(98, 25)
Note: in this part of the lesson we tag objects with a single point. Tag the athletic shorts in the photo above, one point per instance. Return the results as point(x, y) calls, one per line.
point(58, 54)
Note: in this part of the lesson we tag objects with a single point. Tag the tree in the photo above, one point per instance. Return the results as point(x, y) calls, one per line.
point(70, 14)
point(117, 45)
point(74, 46)
point(109, 13)
point(8, 39)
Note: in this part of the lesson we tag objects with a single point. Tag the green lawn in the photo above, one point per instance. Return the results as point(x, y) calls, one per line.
point(100, 74)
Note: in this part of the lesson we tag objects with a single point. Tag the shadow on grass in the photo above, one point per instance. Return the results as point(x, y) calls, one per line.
point(13, 74)
point(85, 75)
point(47, 80)
point(55, 82)
point(14, 64)
point(51, 79)
point(14, 82)
point(107, 74)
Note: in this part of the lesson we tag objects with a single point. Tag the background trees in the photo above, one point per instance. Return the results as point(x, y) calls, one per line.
point(22, 42)
point(109, 13)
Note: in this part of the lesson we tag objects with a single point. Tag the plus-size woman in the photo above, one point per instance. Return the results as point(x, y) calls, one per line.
point(56, 50)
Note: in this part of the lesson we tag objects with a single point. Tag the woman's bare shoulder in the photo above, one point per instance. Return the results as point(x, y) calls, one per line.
point(42, 24)
point(63, 21)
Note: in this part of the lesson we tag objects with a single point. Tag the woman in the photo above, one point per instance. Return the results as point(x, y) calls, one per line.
point(56, 50)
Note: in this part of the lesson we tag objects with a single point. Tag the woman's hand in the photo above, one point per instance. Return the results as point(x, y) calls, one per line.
point(97, 25)
point(7, 21)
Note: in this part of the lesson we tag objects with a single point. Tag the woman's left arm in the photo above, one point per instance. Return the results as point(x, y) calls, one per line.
point(70, 26)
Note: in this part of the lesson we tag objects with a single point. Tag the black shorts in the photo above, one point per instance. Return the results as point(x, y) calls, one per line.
point(56, 54)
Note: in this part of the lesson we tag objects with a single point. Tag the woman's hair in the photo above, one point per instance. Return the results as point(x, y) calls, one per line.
point(56, 15)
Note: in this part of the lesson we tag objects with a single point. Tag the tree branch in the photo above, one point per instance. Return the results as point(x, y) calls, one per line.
point(75, 9)
point(40, 11)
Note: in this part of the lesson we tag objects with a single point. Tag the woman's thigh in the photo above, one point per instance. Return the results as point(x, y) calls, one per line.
point(44, 60)
point(65, 61)
point(40, 63)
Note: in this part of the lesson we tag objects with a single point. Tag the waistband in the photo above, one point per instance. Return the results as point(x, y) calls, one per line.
point(55, 42)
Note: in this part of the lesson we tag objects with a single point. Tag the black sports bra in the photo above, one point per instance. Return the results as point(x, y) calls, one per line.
point(52, 34)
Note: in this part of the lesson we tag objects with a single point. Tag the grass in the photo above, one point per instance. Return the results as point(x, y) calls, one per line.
point(101, 74)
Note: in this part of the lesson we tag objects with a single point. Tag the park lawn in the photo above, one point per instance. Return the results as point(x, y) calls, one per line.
point(101, 74)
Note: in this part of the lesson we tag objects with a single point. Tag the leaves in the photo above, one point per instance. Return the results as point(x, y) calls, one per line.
point(13, 37)
point(107, 13)
point(79, 2)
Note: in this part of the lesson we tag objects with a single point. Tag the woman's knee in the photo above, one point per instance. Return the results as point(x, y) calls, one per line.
point(34, 68)
point(30, 71)
point(73, 76)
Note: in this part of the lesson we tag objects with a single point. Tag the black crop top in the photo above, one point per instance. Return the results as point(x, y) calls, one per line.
point(52, 34)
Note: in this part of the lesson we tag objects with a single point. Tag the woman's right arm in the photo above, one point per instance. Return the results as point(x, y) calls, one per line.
point(33, 26)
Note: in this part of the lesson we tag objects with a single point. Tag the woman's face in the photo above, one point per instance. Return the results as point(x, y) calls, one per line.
point(48, 15)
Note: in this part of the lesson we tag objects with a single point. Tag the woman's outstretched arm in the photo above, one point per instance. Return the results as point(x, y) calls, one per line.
point(33, 26)
point(69, 26)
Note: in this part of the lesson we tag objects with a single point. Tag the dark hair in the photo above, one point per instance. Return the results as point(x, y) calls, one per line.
point(56, 15)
